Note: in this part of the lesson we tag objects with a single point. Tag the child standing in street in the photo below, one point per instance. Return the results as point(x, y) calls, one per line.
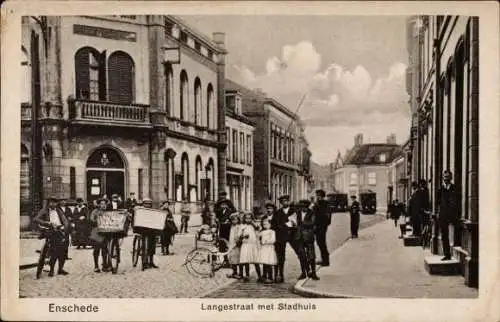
point(402, 224)
point(267, 254)
point(249, 250)
point(234, 245)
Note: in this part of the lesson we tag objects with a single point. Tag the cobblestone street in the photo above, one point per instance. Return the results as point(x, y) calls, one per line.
point(171, 280)
point(337, 235)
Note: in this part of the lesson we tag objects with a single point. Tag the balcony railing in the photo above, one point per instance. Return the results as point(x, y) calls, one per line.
point(190, 129)
point(109, 113)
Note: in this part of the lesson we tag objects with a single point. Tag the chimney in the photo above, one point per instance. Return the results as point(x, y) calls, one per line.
point(219, 39)
point(358, 139)
point(391, 139)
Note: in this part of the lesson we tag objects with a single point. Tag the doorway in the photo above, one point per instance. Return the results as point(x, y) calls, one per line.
point(105, 174)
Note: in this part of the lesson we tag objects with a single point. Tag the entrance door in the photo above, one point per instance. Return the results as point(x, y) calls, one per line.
point(105, 174)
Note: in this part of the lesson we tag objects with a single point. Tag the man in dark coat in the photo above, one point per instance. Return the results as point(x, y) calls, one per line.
point(66, 210)
point(223, 208)
point(448, 211)
point(306, 226)
point(354, 211)
point(116, 203)
point(278, 224)
point(53, 215)
point(414, 210)
point(130, 203)
point(81, 218)
point(323, 219)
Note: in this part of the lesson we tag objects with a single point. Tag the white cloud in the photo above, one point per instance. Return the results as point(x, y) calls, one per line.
point(336, 97)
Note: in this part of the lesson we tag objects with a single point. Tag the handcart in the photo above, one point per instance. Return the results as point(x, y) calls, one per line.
point(113, 225)
point(146, 220)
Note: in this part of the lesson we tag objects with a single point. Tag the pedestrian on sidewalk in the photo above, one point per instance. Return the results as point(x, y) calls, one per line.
point(306, 225)
point(448, 213)
point(185, 215)
point(415, 211)
point(323, 219)
point(63, 206)
point(54, 217)
point(249, 248)
point(279, 224)
point(354, 211)
point(98, 240)
point(402, 219)
point(82, 224)
point(235, 246)
point(267, 253)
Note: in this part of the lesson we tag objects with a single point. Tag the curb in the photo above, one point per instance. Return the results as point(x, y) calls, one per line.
point(27, 266)
point(299, 289)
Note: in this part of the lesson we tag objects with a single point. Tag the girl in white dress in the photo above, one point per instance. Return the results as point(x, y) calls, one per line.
point(267, 254)
point(234, 245)
point(249, 244)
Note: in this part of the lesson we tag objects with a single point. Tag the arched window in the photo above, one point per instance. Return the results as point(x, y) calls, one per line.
point(90, 78)
point(169, 89)
point(25, 174)
point(185, 176)
point(170, 174)
point(26, 77)
point(198, 174)
point(121, 78)
point(210, 106)
point(184, 96)
point(197, 101)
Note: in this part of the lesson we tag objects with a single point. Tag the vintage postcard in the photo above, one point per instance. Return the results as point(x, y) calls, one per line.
point(250, 161)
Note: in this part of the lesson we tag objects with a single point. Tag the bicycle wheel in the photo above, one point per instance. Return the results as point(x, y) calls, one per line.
point(41, 259)
point(136, 250)
point(200, 262)
point(114, 255)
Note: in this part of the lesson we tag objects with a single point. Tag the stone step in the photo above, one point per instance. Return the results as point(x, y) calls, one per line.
point(411, 241)
point(435, 266)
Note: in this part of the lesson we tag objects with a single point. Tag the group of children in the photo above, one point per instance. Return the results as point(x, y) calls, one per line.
point(251, 242)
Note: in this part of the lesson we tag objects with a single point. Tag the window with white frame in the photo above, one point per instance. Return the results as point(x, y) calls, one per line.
point(242, 147)
point(228, 149)
point(353, 179)
point(372, 178)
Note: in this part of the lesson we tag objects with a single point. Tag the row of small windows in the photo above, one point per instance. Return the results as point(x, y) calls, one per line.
point(239, 146)
point(282, 145)
point(372, 179)
point(183, 37)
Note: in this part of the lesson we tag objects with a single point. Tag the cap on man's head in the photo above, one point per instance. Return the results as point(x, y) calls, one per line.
point(114, 195)
point(102, 199)
point(270, 205)
point(147, 200)
point(414, 184)
point(79, 200)
point(447, 172)
point(52, 198)
point(132, 193)
point(284, 197)
point(222, 194)
point(353, 197)
point(320, 192)
point(304, 203)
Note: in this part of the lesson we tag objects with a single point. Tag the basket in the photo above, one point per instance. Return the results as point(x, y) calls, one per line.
point(113, 222)
point(146, 219)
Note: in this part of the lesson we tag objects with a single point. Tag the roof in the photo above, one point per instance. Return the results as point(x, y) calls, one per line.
point(370, 154)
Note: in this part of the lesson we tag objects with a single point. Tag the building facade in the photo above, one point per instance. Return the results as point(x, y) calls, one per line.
point(366, 169)
point(399, 182)
point(444, 85)
point(281, 154)
point(239, 153)
point(121, 104)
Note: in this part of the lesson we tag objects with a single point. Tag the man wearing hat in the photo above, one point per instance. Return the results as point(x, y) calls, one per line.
point(68, 213)
point(115, 203)
point(82, 226)
point(323, 218)
point(448, 211)
point(149, 238)
point(354, 211)
point(306, 225)
point(52, 215)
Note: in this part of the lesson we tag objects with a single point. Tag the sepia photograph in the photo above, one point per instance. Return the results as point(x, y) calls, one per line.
point(248, 156)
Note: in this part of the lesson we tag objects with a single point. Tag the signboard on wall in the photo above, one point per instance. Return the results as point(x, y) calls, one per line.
point(104, 33)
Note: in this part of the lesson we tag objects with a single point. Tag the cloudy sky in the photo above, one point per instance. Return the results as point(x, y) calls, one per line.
point(352, 70)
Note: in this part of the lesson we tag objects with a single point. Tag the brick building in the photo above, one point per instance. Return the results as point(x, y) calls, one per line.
point(444, 87)
point(281, 154)
point(120, 104)
point(240, 157)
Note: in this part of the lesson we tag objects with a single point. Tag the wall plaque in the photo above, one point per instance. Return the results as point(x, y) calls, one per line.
point(104, 33)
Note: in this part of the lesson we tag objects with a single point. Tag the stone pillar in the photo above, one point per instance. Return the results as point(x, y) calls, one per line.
point(219, 39)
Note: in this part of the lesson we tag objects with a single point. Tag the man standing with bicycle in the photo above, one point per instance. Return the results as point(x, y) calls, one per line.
point(54, 218)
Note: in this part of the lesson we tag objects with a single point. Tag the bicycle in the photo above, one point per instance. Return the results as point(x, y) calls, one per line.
point(427, 233)
point(139, 250)
point(114, 237)
point(47, 232)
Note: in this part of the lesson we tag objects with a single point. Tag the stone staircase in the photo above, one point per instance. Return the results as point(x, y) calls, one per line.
point(435, 266)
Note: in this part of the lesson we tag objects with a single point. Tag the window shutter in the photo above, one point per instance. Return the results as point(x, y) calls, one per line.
point(82, 74)
point(102, 76)
point(120, 77)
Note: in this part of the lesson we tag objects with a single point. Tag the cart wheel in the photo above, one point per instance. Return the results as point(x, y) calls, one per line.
point(136, 250)
point(200, 263)
point(114, 255)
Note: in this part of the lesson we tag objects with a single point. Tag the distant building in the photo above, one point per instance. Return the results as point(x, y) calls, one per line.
point(239, 171)
point(366, 168)
point(399, 176)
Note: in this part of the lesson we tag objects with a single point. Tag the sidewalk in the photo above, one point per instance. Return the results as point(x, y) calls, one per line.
point(378, 265)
